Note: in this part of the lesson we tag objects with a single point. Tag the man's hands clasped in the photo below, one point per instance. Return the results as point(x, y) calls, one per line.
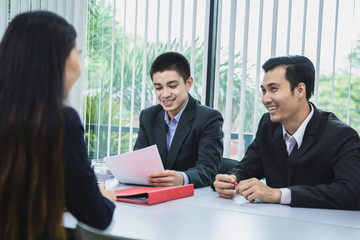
point(250, 189)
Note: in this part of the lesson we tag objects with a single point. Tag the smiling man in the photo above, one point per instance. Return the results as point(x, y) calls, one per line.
point(188, 135)
point(308, 157)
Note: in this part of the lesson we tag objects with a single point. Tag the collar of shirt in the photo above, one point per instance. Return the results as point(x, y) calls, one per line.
point(299, 134)
point(177, 117)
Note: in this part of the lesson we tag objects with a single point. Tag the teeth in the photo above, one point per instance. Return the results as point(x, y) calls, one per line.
point(272, 108)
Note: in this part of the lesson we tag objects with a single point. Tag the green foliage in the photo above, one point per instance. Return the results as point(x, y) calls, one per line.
point(126, 64)
point(354, 57)
point(341, 97)
point(346, 101)
point(98, 75)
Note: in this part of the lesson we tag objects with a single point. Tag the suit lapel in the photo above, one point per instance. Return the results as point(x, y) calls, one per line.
point(160, 136)
point(308, 140)
point(181, 132)
point(281, 153)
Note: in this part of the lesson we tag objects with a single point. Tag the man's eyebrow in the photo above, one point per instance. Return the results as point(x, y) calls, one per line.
point(169, 82)
point(270, 85)
point(172, 81)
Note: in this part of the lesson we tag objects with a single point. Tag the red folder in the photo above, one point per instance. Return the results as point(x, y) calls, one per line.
point(152, 195)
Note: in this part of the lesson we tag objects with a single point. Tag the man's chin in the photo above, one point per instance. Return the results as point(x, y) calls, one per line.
point(274, 119)
point(168, 109)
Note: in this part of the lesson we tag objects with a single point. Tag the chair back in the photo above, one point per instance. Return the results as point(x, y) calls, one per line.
point(226, 165)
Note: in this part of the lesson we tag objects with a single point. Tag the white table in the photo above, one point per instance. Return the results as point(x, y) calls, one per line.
point(207, 216)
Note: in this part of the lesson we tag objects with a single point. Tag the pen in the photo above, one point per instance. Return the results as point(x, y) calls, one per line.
point(236, 184)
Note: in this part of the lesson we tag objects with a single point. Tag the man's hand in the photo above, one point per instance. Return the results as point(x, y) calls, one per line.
point(166, 178)
point(107, 193)
point(224, 185)
point(253, 189)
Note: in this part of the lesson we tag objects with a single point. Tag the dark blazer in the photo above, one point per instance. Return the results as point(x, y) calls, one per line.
point(196, 148)
point(82, 196)
point(323, 173)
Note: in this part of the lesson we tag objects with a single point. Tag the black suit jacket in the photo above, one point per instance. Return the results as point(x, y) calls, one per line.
point(82, 196)
point(196, 148)
point(323, 173)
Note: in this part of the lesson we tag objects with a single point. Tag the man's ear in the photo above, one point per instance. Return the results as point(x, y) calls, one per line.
point(301, 88)
point(188, 84)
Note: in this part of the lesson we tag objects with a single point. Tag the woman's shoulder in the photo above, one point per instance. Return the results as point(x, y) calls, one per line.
point(71, 117)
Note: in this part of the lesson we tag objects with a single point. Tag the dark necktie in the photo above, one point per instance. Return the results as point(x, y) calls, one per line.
point(292, 144)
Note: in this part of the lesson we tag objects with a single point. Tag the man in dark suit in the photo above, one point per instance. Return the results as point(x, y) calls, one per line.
point(188, 135)
point(308, 157)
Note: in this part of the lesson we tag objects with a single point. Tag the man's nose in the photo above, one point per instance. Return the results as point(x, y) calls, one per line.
point(266, 98)
point(166, 92)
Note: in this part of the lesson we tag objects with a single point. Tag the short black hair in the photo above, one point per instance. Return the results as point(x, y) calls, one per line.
point(171, 61)
point(298, 69)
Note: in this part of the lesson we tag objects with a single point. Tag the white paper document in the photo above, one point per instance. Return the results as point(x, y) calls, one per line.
point(135, 167)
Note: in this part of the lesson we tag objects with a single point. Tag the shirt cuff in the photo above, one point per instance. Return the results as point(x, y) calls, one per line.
point(186, 178)
point(285, 196)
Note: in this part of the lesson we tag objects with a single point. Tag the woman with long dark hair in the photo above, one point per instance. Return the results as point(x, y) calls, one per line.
point(44, 165)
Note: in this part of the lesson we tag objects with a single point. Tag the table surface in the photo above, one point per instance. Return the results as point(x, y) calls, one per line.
point(207, 216)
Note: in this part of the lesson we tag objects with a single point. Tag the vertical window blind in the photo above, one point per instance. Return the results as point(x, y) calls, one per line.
point(121, 38)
